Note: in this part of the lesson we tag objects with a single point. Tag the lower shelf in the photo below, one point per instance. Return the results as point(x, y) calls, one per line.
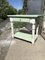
point(24, 36)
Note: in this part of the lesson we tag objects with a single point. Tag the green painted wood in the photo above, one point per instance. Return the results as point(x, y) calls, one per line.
point(23, 16)
point(24, 36)
point(21, 19)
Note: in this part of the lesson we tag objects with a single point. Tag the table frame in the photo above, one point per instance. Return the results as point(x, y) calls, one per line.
point(30, 21)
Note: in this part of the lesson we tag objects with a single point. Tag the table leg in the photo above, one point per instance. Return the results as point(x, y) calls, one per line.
point(12, 29)
point(33, 33)
point(37, 31)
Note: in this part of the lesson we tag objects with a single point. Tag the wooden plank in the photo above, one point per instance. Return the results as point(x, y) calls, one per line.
point(23, 16)
point(24, 36)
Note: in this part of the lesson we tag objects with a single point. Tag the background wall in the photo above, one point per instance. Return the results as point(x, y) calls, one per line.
point(34, 6)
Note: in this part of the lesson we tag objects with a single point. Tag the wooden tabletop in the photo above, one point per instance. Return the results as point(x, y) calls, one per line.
point(23, 16)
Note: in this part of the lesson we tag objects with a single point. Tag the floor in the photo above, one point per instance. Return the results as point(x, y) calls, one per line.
point(15, 49)
point(21, 50)
point(5, 40)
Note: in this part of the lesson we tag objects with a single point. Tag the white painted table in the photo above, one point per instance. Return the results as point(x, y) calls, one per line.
point(24, 18)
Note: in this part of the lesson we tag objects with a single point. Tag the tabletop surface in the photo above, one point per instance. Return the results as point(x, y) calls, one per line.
point(23, 16)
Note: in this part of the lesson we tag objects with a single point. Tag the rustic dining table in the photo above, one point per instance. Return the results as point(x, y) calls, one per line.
point(28, 19)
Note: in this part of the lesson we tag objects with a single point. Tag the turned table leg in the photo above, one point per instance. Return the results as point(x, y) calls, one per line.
point(12, 29)
point(33, 33)
point(33, 30)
